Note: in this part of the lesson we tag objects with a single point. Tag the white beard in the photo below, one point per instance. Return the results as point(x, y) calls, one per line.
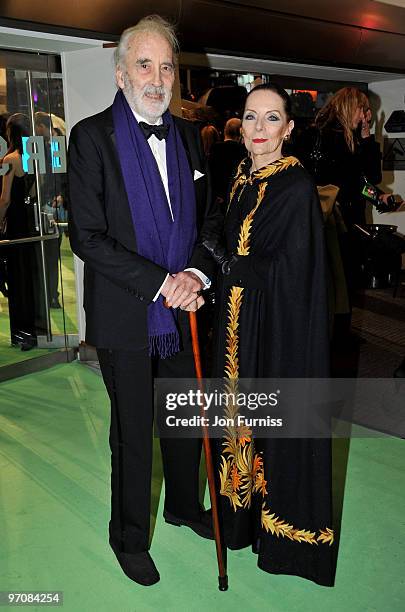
point(138, 99)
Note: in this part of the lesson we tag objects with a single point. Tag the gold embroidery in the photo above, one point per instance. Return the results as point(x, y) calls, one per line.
point(241, 471)
point(242, 179)
point(238, 181)
point(326, 536)
point(232, 336)
point(274, 168)
point(278, 527)
point(244, 235)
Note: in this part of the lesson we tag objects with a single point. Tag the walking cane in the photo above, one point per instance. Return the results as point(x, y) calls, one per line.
point(222, 578)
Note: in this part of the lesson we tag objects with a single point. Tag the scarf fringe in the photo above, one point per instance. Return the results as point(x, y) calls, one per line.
point(164, 345)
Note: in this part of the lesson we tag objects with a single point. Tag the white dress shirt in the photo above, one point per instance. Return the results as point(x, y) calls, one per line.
point(158, 148)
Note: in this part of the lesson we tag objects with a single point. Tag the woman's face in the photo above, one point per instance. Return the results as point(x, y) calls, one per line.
point(265, 125)
point(357, 117)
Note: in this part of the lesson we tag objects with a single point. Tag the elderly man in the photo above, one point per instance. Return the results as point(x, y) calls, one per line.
point(139, 192)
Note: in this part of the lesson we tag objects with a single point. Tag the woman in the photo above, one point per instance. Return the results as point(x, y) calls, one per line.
point(344, 154)
point(20, 258)
point(346, 150)
point(272, 323)
point(3, 261)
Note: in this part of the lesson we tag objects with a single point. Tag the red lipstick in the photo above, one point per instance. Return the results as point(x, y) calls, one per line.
point(258, 140)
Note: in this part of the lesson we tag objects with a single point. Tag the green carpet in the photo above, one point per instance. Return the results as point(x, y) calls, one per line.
point(54, 511)
point(60, 318)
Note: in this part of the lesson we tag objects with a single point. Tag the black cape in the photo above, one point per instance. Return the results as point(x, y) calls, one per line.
point(273, 322)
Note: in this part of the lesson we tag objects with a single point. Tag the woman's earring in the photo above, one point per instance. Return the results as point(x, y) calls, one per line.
point(287, 137)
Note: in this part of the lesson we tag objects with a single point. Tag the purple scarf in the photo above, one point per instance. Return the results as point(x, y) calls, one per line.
point(165, 242)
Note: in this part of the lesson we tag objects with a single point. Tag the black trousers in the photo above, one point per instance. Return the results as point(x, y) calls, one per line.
point(128, 376)
point(20, 282)
point(52, 254)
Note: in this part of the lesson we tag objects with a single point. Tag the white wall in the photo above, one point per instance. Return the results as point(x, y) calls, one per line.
point(89, 87)
point(88, 82)
point(385, 97)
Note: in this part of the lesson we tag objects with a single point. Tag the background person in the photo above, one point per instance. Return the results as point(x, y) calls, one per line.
point(347, 151)
point(3, 258)
point(209, 136)
point(21, 258)
point(341, 151)
point(224, 159)
point(53, 192)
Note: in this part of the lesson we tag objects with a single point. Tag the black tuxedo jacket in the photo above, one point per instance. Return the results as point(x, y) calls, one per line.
point(118, 282)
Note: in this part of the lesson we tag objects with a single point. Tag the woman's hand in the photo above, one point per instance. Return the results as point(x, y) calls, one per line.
point(387, 203)
point(365, 124)
point(220, 255)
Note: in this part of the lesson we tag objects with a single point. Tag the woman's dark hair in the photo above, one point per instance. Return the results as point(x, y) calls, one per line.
point(3, 122)
point(279, 91)
point(18, 125)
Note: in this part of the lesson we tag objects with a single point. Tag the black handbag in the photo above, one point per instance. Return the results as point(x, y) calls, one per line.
point(318, 158)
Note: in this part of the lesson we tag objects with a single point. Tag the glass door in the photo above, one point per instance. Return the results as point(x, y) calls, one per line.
point(37, 293)
point(50, 129)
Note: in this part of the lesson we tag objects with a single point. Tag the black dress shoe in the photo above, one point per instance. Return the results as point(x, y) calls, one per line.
point(26, 346)
point(139, 567)
point(203, 527)
point(24, 340)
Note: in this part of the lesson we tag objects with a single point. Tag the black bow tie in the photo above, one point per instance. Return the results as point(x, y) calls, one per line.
point(160, 131)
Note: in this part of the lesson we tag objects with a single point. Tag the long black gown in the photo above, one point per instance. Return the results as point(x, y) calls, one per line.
point(276, 493)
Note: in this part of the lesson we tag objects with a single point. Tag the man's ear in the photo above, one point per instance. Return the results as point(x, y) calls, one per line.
point(119, 77)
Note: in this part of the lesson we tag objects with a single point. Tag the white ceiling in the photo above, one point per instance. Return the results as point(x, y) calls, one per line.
point(25, 40)
point(251, 65)
point(400, 3)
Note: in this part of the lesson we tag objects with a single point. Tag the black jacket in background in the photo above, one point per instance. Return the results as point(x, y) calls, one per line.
point(223, 162)
point(340, 166)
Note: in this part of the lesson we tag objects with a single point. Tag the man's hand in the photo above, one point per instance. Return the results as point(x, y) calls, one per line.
point(194, 306)
point(181, 289)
